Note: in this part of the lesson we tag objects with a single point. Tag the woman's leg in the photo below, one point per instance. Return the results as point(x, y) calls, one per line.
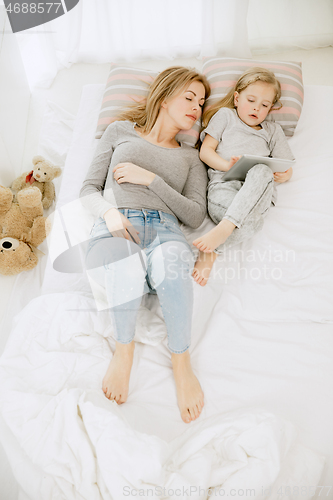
point(119, 266)
point(169, 272)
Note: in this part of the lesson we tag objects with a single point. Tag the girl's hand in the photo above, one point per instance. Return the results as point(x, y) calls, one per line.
point(119, 226)
point(283, 176)
point(232, 161)
point(128, 172)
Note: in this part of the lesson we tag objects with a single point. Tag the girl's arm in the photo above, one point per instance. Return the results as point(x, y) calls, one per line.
point(209, 155)
point(280, 149)
point(283, 176)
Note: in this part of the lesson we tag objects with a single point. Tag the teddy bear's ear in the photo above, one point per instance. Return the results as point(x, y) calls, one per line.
point(37, 159)
point(57, 171)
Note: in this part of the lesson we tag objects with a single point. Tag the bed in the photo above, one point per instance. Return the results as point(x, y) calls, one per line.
point(262, 349)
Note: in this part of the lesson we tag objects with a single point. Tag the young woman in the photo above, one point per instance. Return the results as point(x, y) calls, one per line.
point(140, 183)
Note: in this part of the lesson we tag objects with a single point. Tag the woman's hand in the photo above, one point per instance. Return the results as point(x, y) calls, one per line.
point(128, 172)
point(283, 176)
point(119, 226)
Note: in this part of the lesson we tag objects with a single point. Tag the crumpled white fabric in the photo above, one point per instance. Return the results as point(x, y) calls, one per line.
point(80, 445)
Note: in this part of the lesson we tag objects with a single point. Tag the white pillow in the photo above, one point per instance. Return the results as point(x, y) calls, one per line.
point(285, 25)
point(56, 133)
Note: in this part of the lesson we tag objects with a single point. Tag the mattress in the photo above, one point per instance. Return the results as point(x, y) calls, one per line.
point(262, 348)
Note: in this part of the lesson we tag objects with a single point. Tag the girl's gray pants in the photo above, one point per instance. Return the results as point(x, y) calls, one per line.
point(245, 204)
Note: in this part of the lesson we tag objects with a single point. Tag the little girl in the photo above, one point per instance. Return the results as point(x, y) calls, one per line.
point(235, 126)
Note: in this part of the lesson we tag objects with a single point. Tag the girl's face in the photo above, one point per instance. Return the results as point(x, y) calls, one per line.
point(254, 103)
point(185, 109)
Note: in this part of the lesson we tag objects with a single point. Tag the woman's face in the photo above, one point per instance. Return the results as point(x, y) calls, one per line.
point(185, 109)
point(254, 103)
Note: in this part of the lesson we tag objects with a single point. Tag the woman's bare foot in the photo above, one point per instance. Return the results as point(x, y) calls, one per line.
point(116, 380)
point(189, 393)
point(203, 267)
point(215, 237)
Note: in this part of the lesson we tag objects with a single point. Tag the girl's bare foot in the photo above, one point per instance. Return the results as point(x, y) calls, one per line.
point(189, 393)
point(215, 237)
point(203, 267)
point(116, 380)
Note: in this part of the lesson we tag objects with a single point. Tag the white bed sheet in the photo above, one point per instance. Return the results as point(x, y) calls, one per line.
point(262, 348)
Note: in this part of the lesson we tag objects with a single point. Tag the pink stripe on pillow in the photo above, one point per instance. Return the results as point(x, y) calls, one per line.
point(122, 97)
point(292, 88)
point(226, 84)
point(124, 76)
point(285, 110)
point(105, 121)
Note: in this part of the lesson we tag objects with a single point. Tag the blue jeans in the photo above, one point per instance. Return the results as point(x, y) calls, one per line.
point(245, 204)
point(161, 264)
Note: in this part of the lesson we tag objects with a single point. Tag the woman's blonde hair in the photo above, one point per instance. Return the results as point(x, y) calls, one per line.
point(250, 76)
point(168, 83)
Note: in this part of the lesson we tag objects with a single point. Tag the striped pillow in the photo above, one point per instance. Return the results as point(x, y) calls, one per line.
point(125, 86)
point(222, 74)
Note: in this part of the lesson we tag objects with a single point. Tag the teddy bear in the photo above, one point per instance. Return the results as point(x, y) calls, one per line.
point(41, 177)
point(22, 229)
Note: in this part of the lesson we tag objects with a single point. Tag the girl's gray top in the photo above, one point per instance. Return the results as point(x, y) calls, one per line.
point(236, 138)
point(179, 187)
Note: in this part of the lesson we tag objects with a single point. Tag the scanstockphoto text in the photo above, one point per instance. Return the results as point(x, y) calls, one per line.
point(282, 491)
point(187, 492)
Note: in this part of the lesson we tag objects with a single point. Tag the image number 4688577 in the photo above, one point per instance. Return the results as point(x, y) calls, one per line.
point(28, 14)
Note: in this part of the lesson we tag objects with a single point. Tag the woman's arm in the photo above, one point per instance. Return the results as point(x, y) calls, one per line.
point(91, 193)
point(190, 205)
point(129, 172)
point(209, 155)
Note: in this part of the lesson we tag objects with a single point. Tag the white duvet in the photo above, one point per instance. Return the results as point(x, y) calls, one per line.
point(82, 446)
point(262, 349)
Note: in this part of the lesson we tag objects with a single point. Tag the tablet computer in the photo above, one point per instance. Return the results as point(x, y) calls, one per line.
point(242, 166)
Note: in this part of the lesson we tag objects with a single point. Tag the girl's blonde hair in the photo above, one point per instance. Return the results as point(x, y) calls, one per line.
point(250, 76)
point(168, 83)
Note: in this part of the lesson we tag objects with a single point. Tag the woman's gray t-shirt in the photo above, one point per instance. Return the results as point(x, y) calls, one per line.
point(179, 187)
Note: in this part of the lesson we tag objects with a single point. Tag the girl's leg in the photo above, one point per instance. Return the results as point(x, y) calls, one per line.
point(246, 209)
point(119, 266)
point(238, 210)
point(250, 206)
point(220, 197)
point(203, 267)
point(169, 272)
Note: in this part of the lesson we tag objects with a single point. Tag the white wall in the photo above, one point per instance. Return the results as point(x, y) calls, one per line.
point(14, 103)
point(14, 109)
